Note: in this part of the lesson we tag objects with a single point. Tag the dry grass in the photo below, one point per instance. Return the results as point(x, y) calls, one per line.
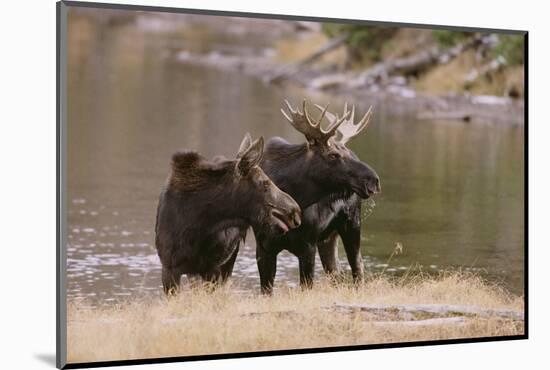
point(451, 77)
point(296, 49)
point(198, 322)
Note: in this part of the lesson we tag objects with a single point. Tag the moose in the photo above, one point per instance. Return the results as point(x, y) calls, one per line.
point(206, 208)
point(328, 181)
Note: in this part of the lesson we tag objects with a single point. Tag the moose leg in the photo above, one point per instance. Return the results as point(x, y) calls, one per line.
point(220, 275)
point(267, 267)
point(350, 232)
point(212, 279)
point(307, 267)
point(328, 253)
point(227, 268)
point(194, 280)
point(170, 281)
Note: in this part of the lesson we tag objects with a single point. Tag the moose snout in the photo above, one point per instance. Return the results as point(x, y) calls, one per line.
point(293, 212)
point(373, 185)
point(287, 211)
point(296, 217)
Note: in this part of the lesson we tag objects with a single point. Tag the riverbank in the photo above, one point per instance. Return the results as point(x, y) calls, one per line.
point(408, 72)
point(416, 77)
point(395, 98)
point(383, 310)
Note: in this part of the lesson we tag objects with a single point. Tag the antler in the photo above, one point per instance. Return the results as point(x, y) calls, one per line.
point(347, 128)
point(312, 130)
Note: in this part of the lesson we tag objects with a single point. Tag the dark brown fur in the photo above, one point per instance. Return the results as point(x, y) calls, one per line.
point(327, 180)
point(206, 208)
point(191, 171)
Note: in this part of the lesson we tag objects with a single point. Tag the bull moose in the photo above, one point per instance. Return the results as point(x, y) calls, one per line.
point(206, 207)
point(328, 181)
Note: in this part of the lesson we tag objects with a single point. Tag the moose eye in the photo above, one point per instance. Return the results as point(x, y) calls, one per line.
point(266, 185)
point(333, 156)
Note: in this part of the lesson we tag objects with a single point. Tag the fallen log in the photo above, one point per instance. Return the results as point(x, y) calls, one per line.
point(276, 313)
point(484, 71)
point(412, 315)
point(290, 69)
point(416, 63)
point(438, 310)
point(427, 322)
point(465, 116)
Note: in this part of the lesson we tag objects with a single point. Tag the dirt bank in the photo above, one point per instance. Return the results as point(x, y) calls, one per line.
point(403, 99)
point(411, 74)
point(402, 71)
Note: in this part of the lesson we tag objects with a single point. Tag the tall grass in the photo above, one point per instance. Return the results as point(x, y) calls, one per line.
point(224, 321)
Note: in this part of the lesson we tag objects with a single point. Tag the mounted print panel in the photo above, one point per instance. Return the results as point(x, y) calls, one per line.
point(239, 184)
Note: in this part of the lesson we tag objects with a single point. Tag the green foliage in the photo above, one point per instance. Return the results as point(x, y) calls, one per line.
point(448, 39)
point(511, 48)
point(364, 42)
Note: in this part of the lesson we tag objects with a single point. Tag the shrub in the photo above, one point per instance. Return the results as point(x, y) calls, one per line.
point(364, 43)
point(448, 39)
point(511, 48)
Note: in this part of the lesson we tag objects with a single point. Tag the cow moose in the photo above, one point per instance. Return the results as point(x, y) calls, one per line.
point(206, 208)
point(328, 181)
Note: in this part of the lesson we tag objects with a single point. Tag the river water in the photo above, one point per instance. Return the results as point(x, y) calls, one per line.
point(453, 193)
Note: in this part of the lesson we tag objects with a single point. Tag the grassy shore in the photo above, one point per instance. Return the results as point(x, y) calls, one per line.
point(224, 321)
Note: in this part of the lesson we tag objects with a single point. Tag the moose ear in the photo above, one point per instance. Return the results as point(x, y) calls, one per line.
point(245, 144)
point(251, 156)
